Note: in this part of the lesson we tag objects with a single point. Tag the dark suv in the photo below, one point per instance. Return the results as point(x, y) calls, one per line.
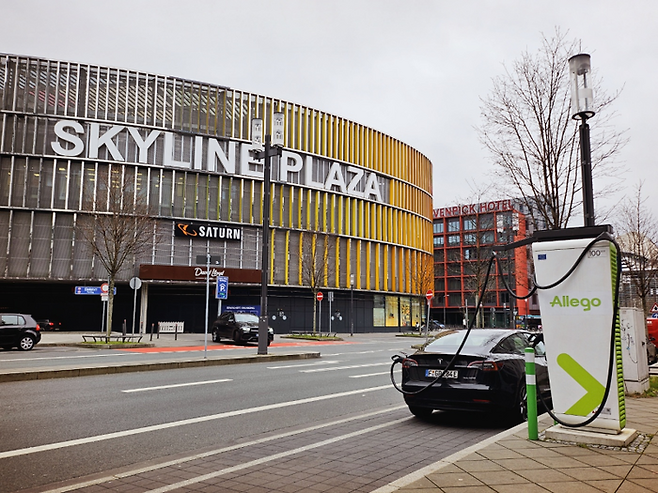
point(241, 327)
point(18, 330)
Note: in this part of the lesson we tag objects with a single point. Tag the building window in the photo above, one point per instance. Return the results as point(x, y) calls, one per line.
point(453, 240)
point(488, 237)
point(438, 241)
point(470, 223)
point(470, 239)
point(438, 227)
point(453, 225)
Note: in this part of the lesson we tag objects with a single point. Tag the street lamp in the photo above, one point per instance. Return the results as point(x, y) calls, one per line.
point(582, 107)
point(273, 147)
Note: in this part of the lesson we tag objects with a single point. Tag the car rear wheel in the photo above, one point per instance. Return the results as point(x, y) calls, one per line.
point(215, 337)
point(26, 343)
point(421, 412)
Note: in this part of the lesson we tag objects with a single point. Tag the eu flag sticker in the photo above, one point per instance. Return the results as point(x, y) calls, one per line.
point(541, 256)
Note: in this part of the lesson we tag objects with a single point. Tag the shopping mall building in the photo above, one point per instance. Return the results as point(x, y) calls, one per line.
point(66, 129)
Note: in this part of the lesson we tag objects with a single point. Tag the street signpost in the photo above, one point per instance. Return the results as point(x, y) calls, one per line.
point(319, 297)
point(135, 283)
point(429, 295)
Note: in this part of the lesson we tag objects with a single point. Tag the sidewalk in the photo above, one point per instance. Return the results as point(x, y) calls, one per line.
point(509, 462)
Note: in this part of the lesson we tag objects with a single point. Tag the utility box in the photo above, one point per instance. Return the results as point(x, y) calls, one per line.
point(634, 350)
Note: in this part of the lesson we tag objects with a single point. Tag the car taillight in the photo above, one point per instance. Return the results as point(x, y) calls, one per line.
point(408, 363)
point(486, 365)
point(38, 328)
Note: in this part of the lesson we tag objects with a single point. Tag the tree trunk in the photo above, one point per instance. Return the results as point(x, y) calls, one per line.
point(110, 307)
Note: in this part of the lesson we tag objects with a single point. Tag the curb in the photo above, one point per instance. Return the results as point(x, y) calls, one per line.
point(24, 375)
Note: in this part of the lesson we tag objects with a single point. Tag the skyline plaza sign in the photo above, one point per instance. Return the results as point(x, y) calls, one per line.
point(124, 143)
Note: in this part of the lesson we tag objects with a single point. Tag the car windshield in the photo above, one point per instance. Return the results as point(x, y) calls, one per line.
point(246, 317)
point(450, 341)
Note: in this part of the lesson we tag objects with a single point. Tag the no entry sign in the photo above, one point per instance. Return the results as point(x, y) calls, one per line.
point(319, 296)
point(429, 295)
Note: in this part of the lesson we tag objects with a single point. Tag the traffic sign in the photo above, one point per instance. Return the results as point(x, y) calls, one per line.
point(88, 290)
point(319, 296)
point(654, 315)
point(429, 295)
point(135, 282)
point(221, 291)
point(654, 309)
point(105, 288)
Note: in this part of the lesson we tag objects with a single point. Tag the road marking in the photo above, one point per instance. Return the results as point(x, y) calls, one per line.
point(357, 352)
point(369, 375)
point(176, 385)
point(303, 364)
point(183, 422)
point(62, 357)
point(210, 453)
point(270, 458)
point(350, 367)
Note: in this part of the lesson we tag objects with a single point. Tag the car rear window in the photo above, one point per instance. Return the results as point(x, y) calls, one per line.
point(450, 341)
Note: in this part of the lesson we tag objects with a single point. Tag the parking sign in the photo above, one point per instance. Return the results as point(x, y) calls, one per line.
point(221, 291)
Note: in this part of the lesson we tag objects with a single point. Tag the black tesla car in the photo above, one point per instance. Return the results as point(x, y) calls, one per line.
point(488, 375)
point(240, 327)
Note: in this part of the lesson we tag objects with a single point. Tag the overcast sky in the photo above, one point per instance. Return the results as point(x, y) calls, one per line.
point(415, 70)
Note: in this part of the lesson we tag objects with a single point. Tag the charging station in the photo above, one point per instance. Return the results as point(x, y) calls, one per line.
point(577, 319)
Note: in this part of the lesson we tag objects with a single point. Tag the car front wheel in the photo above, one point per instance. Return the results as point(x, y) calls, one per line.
point(236, 337)
point(26, 343)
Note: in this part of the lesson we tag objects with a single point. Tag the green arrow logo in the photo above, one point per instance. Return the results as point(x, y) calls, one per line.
point(592, 399)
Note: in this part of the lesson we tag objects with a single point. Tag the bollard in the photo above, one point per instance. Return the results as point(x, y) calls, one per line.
point(152, 331)
point(531, 392)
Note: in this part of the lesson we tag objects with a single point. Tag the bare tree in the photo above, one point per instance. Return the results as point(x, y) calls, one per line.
point(315, 266)
point(638, 237)
point(421, 276)
point(532, 138)
point(121, 228)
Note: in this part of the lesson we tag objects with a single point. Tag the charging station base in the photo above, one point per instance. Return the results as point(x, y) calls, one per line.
point(621, 439)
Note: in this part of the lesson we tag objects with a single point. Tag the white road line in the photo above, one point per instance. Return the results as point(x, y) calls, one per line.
point(369, 375)
point(64, 357)
point(202, 455)
point(302, 364)
point(357, 352)
point(350, 367)
point(270, 458)
point(183, 422)
point(176, 385)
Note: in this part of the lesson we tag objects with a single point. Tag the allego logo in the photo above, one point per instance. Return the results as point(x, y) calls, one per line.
point(567, 301)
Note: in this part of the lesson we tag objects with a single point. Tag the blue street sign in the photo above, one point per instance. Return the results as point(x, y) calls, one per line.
point(88, 290)
point(221, 292)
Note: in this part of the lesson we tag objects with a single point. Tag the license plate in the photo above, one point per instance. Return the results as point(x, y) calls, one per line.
point(435, 373)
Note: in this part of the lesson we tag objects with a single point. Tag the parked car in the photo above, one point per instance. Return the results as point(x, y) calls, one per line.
point(434, 326)
point(47, 324)
point(18, 330)
point(488, 375)
point(239, 327)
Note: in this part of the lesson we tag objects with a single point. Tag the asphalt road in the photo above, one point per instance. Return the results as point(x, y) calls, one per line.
point(56, 430)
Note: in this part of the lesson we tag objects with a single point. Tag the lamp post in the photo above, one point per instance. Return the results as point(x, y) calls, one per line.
point(582, 108)
point(273, 147)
